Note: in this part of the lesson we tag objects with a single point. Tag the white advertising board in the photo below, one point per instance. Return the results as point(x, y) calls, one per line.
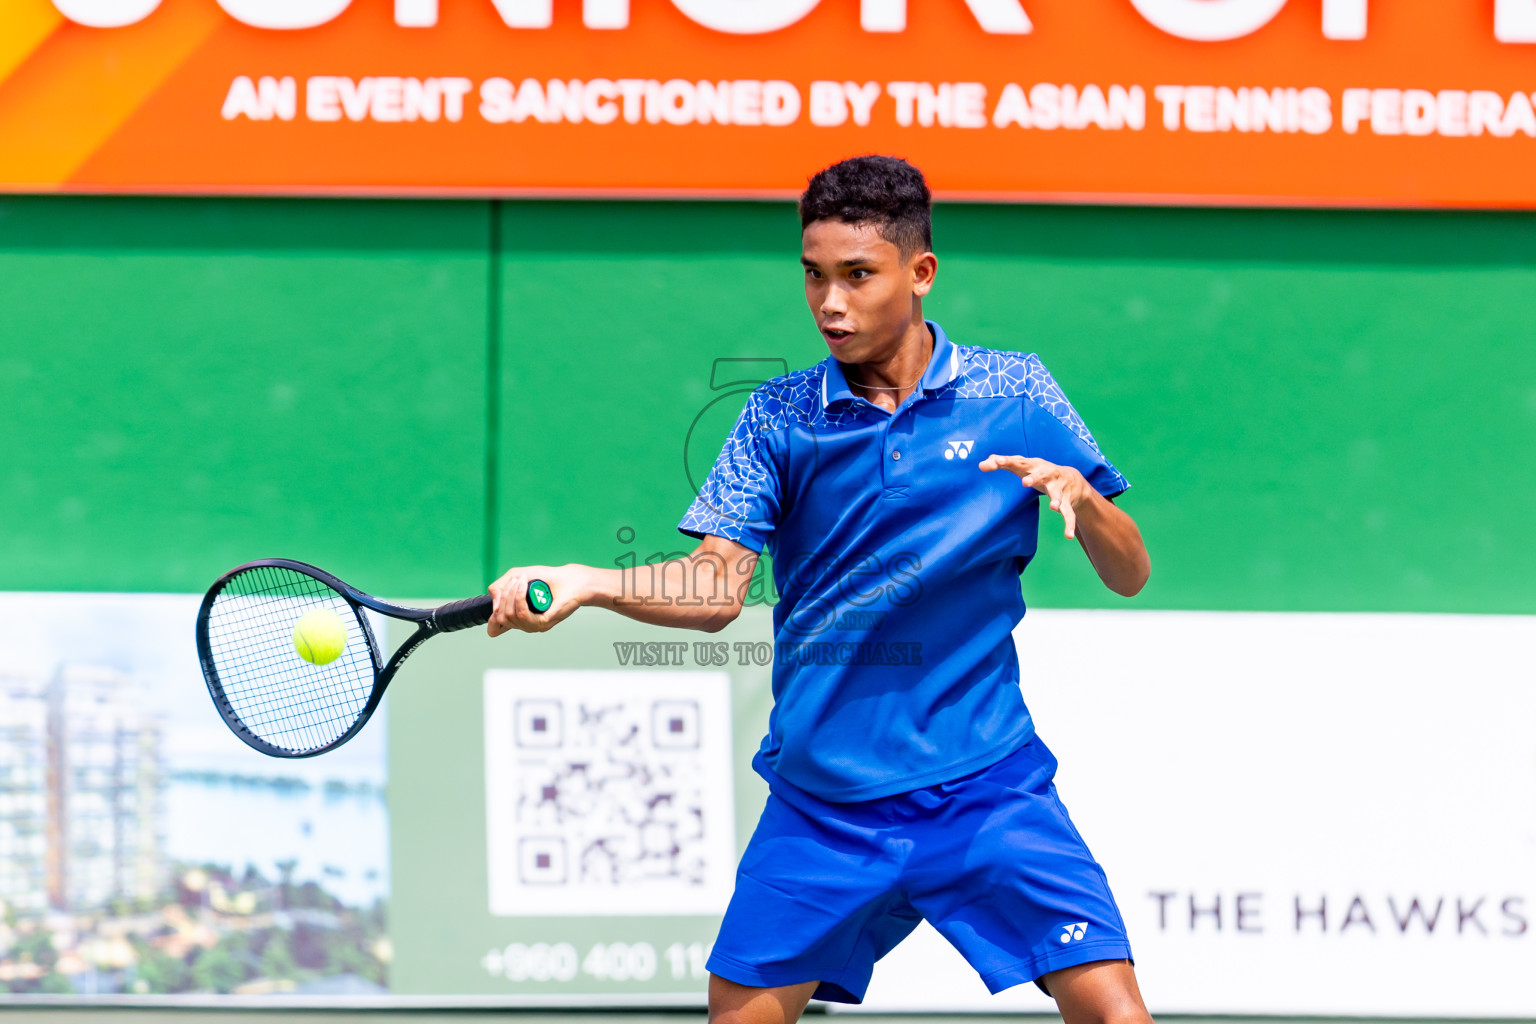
point(1298, 813)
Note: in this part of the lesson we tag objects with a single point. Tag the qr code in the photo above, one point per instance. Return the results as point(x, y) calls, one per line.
point(608, 792)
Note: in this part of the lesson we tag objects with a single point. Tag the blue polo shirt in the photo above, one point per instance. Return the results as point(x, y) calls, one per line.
point(897, 562)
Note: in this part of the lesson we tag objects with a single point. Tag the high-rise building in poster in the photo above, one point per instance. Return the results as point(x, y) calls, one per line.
point(81, 805)
point(105, 816)
point(23, 792)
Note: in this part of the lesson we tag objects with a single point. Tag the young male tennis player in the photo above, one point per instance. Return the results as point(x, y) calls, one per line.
point(906, 779)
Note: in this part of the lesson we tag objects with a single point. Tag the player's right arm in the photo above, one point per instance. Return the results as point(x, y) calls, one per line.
point(703, 590)
point(732, 515)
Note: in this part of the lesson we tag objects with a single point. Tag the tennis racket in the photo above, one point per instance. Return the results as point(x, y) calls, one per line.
point(274, 698)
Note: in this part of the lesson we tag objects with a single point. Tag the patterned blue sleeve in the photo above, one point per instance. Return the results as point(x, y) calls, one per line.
point(740, 499)
point(1053, 431)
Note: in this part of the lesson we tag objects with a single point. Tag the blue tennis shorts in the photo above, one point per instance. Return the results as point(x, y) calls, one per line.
point(990, 859)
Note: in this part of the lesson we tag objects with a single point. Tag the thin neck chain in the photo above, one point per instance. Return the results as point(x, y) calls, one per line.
point(876, 387)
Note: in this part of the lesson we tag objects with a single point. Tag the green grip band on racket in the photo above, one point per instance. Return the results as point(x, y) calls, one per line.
point(540, 597)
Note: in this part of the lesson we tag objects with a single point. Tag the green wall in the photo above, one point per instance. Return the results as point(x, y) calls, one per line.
point(188, 384)
point(1318, 410)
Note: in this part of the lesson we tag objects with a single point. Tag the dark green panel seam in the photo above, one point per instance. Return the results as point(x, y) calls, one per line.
point(492, 388)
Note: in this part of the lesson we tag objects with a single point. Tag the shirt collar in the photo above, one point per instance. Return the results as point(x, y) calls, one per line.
point(943, 367)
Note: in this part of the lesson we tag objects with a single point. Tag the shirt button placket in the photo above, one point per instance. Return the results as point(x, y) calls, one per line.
point(883, 435)
point(898, 448)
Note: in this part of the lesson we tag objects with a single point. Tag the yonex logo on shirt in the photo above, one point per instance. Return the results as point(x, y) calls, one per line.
point(960, 448)
point(1073, 931)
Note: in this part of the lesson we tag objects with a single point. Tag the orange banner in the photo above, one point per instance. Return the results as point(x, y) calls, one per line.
point(1307, 102)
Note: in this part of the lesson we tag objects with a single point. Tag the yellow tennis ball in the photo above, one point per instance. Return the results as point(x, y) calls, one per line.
point(320, 636)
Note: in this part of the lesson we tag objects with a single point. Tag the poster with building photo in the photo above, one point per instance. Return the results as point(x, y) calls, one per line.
point(144, 849)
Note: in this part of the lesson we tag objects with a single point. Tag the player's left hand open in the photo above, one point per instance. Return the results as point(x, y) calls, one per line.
point(1066, 487)
point(510, 594)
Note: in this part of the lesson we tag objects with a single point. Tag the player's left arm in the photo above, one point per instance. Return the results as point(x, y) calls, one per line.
point(1108, 535)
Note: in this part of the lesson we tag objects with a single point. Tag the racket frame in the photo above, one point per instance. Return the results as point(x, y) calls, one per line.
point(457, 615)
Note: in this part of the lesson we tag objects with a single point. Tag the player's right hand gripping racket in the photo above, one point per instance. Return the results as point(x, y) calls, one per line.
point(291, 662)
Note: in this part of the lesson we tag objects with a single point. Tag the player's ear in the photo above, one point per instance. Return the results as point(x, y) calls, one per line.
point(924, 268)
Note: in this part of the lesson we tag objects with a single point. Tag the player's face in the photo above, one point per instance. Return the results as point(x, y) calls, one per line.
point(864, 296)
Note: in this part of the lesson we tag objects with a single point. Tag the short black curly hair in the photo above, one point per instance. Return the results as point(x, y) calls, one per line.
point(884, 191)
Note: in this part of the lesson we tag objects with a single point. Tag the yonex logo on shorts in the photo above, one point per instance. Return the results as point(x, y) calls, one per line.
point(1073, 931)
point(960, 448)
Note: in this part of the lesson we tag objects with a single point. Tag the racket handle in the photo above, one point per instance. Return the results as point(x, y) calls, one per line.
point(476, 611)
point(456, 615)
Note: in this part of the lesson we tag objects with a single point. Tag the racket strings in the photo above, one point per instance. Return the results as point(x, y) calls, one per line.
point(277, 695)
